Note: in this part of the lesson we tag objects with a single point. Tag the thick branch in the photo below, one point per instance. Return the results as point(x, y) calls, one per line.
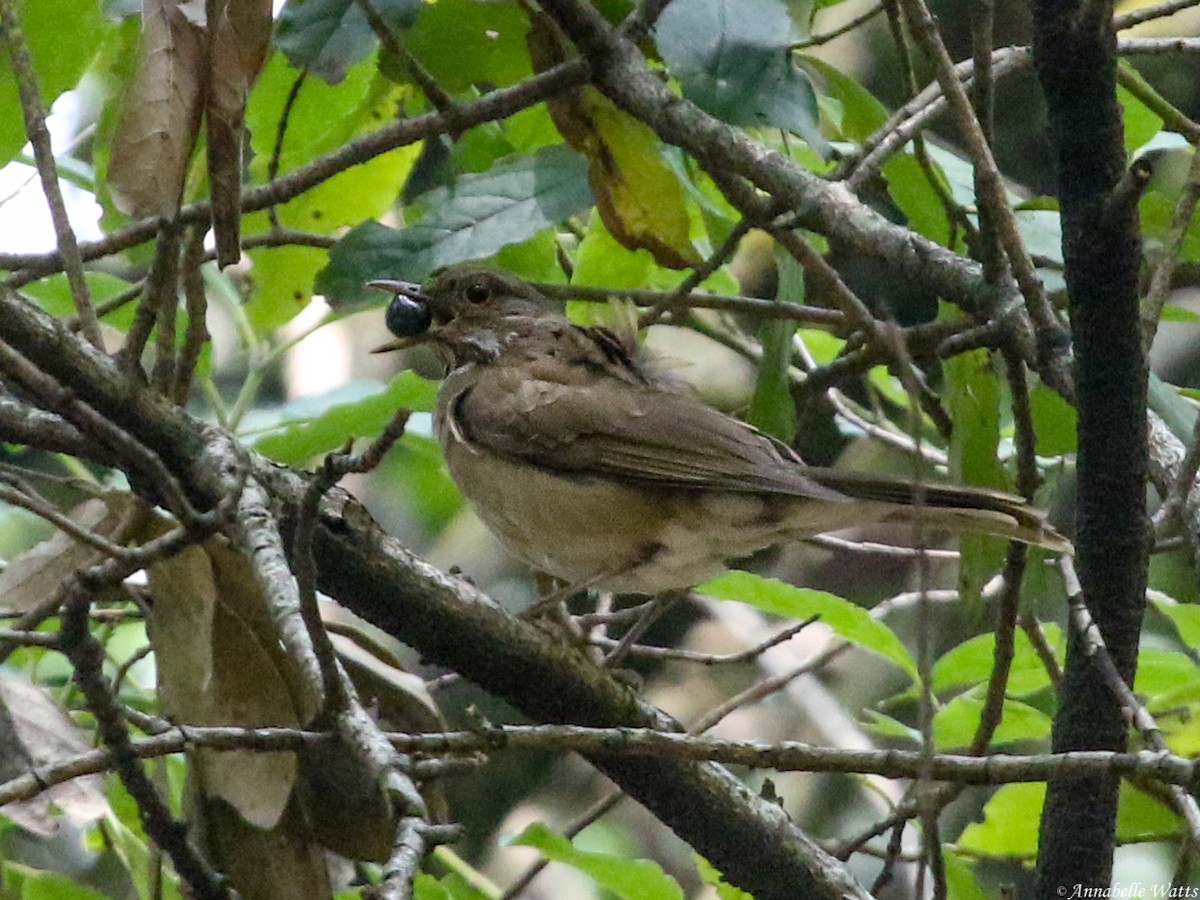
point(1075, 54)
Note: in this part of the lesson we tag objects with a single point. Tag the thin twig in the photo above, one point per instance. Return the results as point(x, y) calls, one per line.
point(708, 659)
point(813, 316)
point(1171, 242)
point(495, 105)
point(43, 152)
point(653, 612)
point(196, 303)
point(1174, 119)
point(87, 656)
point(1094, 647)
point(1049, 332)
point(159, 290)
point(437, 95)
point(1148, 13)
point(285, 116)
point(715, 260)
point(825, 37)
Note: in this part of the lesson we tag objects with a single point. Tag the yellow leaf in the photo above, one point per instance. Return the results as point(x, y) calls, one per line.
point(640, 200)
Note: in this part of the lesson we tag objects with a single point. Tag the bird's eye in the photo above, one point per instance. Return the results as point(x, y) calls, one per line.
point(406, 317)
point(478, 292)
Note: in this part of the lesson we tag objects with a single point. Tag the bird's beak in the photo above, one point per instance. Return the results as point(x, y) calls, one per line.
point(407, 289)
point(396, 344)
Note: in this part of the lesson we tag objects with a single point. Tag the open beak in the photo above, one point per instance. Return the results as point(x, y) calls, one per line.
point(396, 344)
point(418, 297)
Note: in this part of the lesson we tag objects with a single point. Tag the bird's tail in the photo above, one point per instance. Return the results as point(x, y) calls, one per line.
point(959, 509)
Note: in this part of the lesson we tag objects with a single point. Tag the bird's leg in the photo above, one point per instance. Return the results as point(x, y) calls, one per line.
point(566, 591)
point(551, 605)
point(654, 610)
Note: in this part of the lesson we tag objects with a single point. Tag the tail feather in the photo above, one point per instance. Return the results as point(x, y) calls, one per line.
point(963, 509)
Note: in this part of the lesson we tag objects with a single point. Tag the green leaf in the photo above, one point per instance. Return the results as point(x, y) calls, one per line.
point(961, 883)
point(972, 394)
point(909, 187)
point(772, 407)
point(1156, 211)
point(535, 259)
point(63, 37)
point(38, 884)
point(602, 262)
point(113, 70)
point(1141, 122)
point(1005, 830)
point(1053, 421)
point(1141, 817)
point(732, 60)
point(283, 276)
point(365, 418)
point(53, 294)
point(955, 724)
point(823, 346)
point(416, 472)
point(850, 622)
point(464, 42)
point(471, 219)
point(1185, 618)
point(1173, 313)
point(629, 879)
point(1164, 672)
point(1006, 827)
point(327, 37)
point(725, 890)
point(637, 192)
point(970, 664)
point(123, 830)
point(311, 130)
point(862, 114)
point(451, 887)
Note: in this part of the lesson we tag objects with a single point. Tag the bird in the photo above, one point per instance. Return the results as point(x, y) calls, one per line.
point(593, 466)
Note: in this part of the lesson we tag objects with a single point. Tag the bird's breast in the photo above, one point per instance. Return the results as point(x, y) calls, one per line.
point(623, 537)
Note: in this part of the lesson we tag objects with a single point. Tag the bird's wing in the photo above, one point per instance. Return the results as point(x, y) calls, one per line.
point(589, 424)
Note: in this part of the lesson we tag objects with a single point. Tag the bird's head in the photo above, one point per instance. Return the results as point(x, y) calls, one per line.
point(463, 310)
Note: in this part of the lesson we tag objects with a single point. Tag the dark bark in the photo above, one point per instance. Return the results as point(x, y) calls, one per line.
point(1075, 53)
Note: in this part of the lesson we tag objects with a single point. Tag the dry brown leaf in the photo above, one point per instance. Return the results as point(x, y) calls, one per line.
point(241, 33)
point(160, 115)
point(35, 731)
point(280, 863)
point(218, 664)
point(37, 573)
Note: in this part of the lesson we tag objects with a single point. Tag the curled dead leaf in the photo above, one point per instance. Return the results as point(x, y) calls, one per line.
point(240, 34)
point(160, 116)
point(34, 576)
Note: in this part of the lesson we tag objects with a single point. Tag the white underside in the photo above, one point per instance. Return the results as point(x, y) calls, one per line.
point(611, 537)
